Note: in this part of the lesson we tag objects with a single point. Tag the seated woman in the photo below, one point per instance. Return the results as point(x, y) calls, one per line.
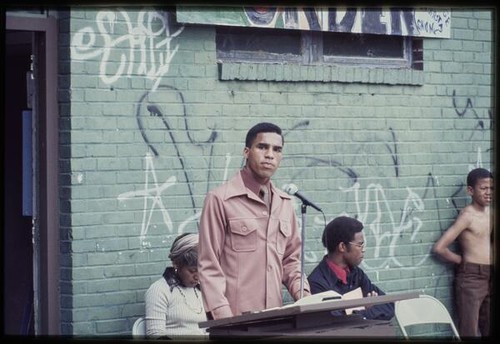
point(174, 304)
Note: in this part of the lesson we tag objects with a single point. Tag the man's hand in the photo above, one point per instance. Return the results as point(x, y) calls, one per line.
point(372, 293)
point(222, 312)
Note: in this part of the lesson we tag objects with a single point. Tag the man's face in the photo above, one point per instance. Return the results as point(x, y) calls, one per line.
point(355, 250)
point(482, 192)
point(264, 156)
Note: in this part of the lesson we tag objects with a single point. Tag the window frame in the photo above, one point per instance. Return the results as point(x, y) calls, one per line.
point(311, 43)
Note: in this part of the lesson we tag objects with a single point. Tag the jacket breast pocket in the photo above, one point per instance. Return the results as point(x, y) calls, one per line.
point(243, 234)
point(283, 234)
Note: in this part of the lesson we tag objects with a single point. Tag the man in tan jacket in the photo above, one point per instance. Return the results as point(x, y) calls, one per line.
point(249, 239)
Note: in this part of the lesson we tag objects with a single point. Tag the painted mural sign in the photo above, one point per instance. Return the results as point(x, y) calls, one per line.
point(382, 21)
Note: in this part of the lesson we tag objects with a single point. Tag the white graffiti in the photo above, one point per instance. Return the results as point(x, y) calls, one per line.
point(153, 200)
point(371, 211)
point(154, 195)
point(373, 220)
point(479, 161)
point(150, 39)
point(433, 22)
point(226, 167)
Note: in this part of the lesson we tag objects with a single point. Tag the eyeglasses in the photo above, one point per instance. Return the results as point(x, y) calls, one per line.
point(362, 245)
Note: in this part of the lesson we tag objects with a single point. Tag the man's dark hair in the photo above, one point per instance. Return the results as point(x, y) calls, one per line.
point(340, 229)
point(263, 127)
point(476, 174)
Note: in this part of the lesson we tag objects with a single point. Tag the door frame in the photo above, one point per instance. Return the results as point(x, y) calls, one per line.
point(47, 321)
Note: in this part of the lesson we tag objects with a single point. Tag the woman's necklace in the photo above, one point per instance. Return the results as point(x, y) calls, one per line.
point(199, 307)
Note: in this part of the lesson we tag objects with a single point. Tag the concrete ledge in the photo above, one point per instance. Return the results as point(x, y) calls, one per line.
point(318, 73)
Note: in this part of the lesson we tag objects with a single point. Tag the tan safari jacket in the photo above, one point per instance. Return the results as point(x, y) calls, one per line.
point(244, 255)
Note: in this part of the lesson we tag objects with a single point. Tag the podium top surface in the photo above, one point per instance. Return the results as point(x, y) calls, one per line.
point(291, 310)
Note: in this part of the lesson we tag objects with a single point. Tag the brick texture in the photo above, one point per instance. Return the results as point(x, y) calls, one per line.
point(150, 123)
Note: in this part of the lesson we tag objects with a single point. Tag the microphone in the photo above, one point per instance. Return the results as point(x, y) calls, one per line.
point(293, 190)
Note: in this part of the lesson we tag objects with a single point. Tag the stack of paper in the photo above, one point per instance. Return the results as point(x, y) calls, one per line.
point(331, 295)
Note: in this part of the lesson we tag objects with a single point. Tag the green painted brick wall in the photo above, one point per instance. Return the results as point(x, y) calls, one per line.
point(148, 124)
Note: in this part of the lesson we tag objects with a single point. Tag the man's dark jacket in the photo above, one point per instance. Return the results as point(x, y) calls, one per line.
point(322, 278)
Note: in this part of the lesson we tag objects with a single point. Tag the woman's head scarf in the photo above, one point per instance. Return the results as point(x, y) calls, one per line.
point(185, 249)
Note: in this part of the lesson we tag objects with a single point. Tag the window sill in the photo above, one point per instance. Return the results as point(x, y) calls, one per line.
point(317, 73)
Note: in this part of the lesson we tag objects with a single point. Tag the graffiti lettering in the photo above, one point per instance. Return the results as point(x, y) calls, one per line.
point(384, 21)
point(149, 41)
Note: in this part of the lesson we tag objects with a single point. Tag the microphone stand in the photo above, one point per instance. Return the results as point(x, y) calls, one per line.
point(303, 234)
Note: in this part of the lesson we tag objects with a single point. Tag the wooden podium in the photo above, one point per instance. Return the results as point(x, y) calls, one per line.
point(306, 321)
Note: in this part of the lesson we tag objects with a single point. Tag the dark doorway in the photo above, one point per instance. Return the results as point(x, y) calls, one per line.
point(30, 229)
point(18, 251)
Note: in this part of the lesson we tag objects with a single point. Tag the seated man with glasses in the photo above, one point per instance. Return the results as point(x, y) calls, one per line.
point(339, 271)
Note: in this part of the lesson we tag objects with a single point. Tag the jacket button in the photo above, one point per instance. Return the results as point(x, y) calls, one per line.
point(244, 228)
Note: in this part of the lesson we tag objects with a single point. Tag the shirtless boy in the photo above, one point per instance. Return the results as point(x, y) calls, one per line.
point(473, 230)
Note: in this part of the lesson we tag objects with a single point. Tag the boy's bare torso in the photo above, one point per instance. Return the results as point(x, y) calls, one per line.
point(475, 240)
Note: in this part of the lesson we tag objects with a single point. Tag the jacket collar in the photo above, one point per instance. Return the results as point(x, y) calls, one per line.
point(332, 277)
point(236, 187)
